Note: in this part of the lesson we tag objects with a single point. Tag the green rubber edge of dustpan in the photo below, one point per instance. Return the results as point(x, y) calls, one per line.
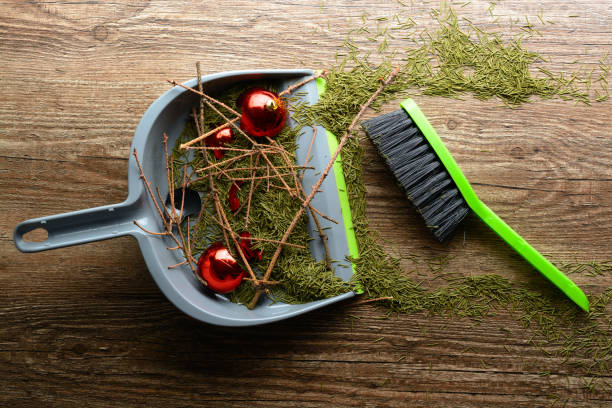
point(488, 216)
point(345, 206)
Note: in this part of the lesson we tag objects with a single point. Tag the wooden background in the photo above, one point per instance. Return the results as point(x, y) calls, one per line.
point(86, 326)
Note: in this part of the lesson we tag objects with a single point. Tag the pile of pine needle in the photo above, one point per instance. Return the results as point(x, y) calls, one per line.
point(451, 61)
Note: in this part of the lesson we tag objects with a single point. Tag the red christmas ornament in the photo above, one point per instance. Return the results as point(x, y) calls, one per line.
point(219, 269)
point(247, 249)
point(263, 112)
point(220, 139)
point(232, 196)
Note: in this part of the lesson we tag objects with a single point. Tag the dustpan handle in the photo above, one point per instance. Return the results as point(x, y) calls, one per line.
point(78, 227)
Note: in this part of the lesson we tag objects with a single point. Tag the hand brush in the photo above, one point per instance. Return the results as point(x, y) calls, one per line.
point(438, 189)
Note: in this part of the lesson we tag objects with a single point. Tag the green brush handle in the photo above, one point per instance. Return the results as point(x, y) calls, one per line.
point(488, 216)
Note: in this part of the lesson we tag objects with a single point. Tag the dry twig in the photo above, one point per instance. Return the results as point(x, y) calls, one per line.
point(296, 86)
point(223, 217)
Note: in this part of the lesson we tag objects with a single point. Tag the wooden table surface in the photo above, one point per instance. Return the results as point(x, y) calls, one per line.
point(87, 326)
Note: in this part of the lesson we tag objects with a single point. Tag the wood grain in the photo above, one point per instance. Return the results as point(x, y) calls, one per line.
point(86, 326)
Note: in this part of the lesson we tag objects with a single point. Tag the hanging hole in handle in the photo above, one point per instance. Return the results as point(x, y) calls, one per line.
point(36, 235)
point(190, 200)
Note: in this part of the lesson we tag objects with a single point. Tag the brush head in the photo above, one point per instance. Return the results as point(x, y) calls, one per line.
point(419, 171)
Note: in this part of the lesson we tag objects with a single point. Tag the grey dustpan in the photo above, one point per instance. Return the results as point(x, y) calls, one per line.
point(169, 114)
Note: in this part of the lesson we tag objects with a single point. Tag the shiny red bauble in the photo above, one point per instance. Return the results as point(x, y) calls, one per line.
point(247, 249)
point(232, 196)
point(220, 139)
point(219, 269)
point(263, 112)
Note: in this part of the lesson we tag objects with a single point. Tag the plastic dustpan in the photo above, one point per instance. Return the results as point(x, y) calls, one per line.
point(169, 114)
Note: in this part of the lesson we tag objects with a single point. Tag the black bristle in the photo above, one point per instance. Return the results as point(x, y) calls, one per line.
point(419, 171)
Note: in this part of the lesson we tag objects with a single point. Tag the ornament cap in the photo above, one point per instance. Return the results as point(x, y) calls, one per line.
point(271, 105)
